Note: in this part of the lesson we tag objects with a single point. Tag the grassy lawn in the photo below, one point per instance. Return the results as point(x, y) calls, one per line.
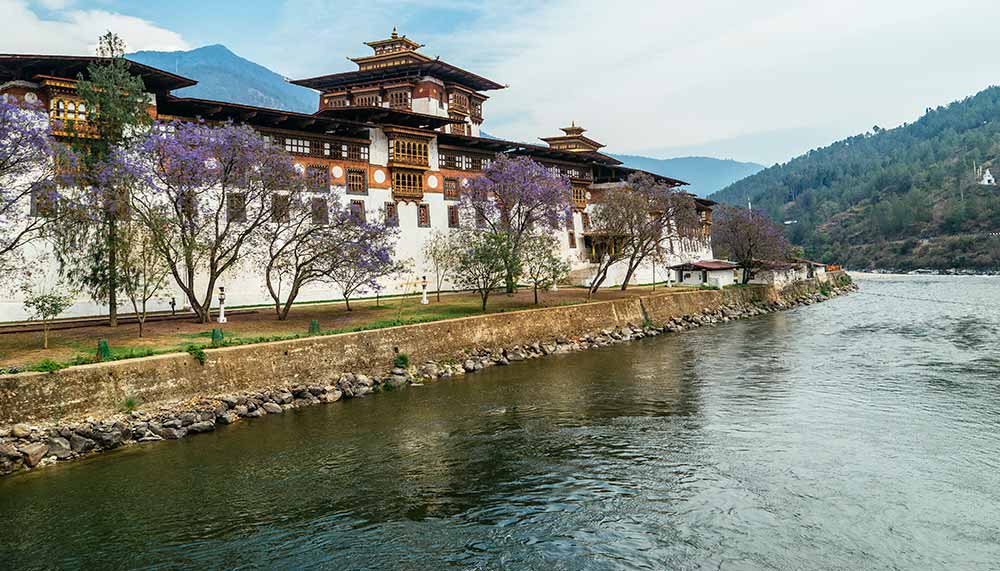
point(76, 346)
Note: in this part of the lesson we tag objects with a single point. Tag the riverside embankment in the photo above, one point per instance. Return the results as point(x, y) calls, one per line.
point(74, 412)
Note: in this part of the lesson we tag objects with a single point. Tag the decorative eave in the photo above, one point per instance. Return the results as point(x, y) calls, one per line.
point(589, 144)
point(191, 108)
point(27, 66)
point(434, 68)
point(390, 56)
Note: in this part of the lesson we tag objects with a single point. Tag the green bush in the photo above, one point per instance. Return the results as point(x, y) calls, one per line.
point(47, 366)
point(198, 353)
point(130, 403)
point(401, 361)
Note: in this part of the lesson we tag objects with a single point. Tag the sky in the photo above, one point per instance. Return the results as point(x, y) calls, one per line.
point(758, 81)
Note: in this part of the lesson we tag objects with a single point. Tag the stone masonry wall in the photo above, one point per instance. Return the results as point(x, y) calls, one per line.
point(101, 388)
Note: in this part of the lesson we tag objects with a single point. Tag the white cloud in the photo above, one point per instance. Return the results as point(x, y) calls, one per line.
point(656, 75)
point(75, 32)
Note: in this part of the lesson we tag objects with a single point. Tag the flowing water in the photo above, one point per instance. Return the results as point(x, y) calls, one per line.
point(859, 433)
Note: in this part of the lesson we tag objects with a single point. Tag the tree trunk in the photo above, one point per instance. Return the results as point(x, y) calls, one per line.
point(45, 337)
point(628, 277)
point(536, 293)
point(510, 281)
point(347, 302)
point(484, 295)
point(112, 269)
point(142, 321)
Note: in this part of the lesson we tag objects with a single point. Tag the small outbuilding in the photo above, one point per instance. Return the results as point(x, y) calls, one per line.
point(715, 273)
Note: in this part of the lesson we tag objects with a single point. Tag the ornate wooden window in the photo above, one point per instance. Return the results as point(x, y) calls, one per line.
point(236, 207)
point(358, 210)
point(580, 196)
point(424, 215)
point(372, 100)
point(317, 178)
point(453, 216)
point(297, 146)
point(458, 128)
point(354, 152)
point(336, 102)
point(477, 110)
point(451, 189)
point(409, 151)
point(391, 214)
point(320, 210)
point(357, 181)
point(572, 239)
point(399, 99)
point(585, 219)
point(280, 204)
point(407, 184)
point(458, 101)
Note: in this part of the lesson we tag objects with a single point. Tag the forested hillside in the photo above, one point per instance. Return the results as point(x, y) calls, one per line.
point(902, 198)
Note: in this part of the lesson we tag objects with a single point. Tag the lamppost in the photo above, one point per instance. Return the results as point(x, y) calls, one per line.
point(222, 304)
point(423, 287)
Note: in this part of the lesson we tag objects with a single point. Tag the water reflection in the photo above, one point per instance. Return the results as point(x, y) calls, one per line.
point(857, 433)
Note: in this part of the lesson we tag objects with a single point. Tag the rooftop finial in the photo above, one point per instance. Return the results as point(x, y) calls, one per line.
point(394, 34)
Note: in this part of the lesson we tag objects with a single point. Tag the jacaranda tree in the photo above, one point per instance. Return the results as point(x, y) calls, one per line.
point(514, 197)
point(28, 180)
point(205, 192)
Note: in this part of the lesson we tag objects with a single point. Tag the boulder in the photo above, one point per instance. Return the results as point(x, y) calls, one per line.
point(241, 410)
point(331, 396)
point(255, 413)
point(21, 430)
point(60, 448)
point(227, 417)
point(81, 444)
point(33, 453)
point(272, 408)
point(202, 426)
point(317, 390)
point(8, 452)
point(173, 433)
point(188, 418)
point(108, 439)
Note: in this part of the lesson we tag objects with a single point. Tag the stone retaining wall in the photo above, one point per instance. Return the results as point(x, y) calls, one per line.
point(277, 386)
point(101, 388)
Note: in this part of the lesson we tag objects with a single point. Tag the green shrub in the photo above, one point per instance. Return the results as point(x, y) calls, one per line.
point(130, 403)
point(401, 361)
point(47, 366)
point(197, 352)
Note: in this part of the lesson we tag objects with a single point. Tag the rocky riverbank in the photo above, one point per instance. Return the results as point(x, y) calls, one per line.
point(29, 446)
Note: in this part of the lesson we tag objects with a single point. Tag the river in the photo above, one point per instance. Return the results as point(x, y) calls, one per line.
point(859, 433)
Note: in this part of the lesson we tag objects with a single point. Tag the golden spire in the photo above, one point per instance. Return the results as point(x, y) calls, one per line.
point(394, 35)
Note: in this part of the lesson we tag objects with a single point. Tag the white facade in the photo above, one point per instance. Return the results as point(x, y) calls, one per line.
point(244, 285)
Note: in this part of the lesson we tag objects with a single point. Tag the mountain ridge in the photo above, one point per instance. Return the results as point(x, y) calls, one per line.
point(904, 198)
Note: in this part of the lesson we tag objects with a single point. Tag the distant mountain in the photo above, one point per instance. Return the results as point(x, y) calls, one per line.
point(903, 198)
point(705, 174)
point(225, 76)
